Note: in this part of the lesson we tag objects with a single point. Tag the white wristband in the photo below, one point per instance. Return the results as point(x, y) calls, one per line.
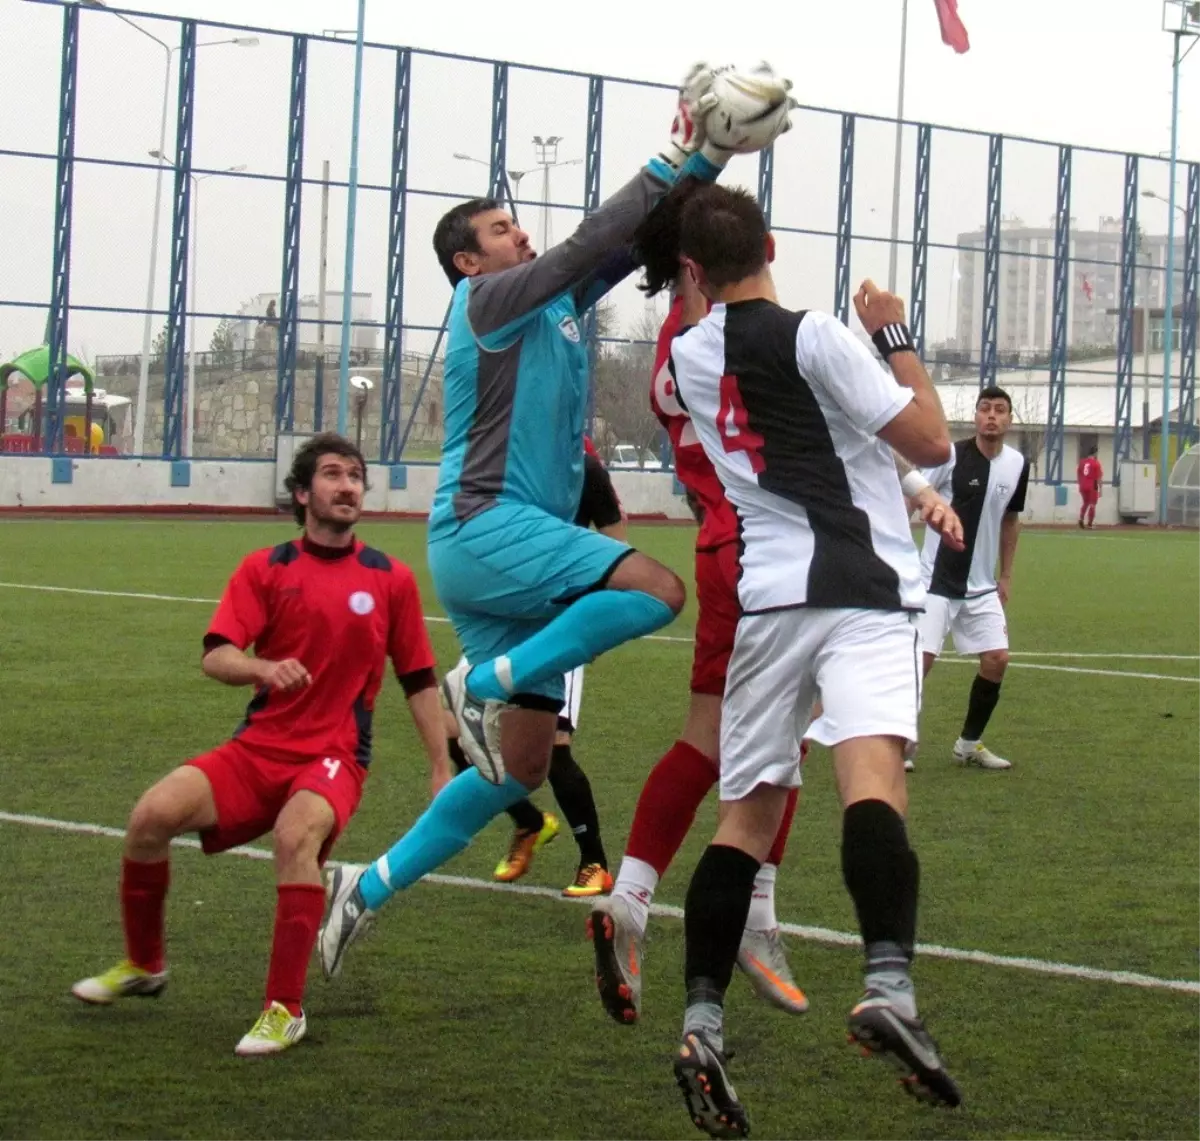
point(914, 483)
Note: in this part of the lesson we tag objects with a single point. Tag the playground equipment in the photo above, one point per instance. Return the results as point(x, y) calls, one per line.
point(91, 417)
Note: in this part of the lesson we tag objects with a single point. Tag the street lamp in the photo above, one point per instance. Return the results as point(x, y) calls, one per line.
point(547, 158)
point(139, 422)
point(194, 308)
point(1160, 198)
point(1180, 18)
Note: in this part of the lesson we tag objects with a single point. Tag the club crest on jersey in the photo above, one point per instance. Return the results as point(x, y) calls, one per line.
point(1002, 490)
point(361, 602)
point(569, 329)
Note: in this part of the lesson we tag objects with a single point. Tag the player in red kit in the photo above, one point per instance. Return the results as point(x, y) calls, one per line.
point(683, 777)
point(323, 614)
point(1089, 475)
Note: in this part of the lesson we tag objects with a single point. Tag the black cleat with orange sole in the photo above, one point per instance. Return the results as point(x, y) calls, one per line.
point(879, 1029)
point(707, 1091)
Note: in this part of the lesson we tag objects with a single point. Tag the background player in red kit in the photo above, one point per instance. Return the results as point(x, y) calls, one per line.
point(323, 614)
point(1089, 475)
point(683, 777)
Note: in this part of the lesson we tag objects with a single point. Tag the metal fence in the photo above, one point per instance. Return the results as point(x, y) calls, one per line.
point(1023, 261)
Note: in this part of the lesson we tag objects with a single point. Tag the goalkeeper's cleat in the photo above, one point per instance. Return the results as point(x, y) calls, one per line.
point(880, 1029)
point(526, 843)
point(276, 1029)
point(122, 981)
point(478, 723)
point(346, 918)
point(763, 959)
point(617, 944)
point(710, 1097)
point(974, 753)
point(591, 879)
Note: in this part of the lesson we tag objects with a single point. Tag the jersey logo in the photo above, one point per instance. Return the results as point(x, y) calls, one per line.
point(361, 602)
point(1002, 490)
point(569, 329)
point(973, 483)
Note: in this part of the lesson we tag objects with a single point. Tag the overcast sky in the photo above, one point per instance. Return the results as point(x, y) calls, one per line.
point(1095, 74)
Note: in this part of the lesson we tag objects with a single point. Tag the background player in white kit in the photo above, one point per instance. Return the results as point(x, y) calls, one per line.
point(985, 480)
point(796, 415)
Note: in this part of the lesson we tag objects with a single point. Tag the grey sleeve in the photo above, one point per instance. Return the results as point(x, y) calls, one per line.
point(500, 302)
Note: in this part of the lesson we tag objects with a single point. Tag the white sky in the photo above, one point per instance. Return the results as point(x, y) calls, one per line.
point(1062, 70)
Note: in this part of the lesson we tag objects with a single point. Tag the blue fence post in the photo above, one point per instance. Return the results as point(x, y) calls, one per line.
point(393, 343)
point(991, 263)
point(175, 380)
point(841, 279)
point(1058, 338)
point(920, 265)
point(1185, 418)
point(289, 288)
point(1123, 413)
point(57, 319)
point(591, 199)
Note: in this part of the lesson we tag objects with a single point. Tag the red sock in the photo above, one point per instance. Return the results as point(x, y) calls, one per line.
point(143, 902)
point(775, 856)
point(298, 912)
point(665, 810)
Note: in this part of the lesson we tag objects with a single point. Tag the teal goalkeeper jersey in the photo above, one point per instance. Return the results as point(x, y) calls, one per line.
point(516, 370)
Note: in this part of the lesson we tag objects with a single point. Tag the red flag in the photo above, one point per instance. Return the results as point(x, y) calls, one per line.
point(1087, 287)
point(953, 32)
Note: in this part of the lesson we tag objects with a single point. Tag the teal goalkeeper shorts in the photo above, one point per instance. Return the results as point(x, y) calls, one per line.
point(506, 573)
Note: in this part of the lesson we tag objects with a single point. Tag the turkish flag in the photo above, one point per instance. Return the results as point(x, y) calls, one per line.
point(953, 32)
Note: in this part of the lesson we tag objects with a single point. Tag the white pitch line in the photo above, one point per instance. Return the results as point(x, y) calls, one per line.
point(799, 931)
point(1083, 670)
point(675, 638)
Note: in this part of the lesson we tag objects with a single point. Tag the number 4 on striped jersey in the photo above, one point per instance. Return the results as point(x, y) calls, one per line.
point(733, 422)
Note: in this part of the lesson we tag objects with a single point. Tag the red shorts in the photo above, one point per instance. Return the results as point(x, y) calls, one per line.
point(1090, 496)
point(250, 789)
point(716, 625)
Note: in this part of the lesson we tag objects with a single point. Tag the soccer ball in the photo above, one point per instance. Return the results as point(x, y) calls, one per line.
point(751, 109)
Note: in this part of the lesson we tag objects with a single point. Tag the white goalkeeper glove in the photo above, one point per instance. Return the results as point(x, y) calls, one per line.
point(696, 99)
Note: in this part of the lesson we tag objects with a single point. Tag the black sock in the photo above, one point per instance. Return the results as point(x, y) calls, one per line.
point(524, 814)
point(573, 791)
point(714, 917)
point(881, 874)
point(984, 695)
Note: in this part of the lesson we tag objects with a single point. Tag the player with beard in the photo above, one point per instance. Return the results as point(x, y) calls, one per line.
point(323, 613)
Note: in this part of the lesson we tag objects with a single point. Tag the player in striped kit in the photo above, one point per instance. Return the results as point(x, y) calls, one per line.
point(985, 479)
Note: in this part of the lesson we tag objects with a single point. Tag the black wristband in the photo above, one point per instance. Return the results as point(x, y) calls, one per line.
point(894, 338)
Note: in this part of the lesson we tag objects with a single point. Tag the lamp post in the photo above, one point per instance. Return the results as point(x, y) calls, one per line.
point(139, 422)
point(1180, 18)
point(547, 159)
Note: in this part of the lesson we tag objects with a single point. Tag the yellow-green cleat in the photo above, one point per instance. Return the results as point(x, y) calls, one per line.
point(525, 845)
point(122, 981)
point(276, 1029)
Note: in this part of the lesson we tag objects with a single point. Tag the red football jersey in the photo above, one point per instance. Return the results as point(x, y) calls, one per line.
point(692, 466)
point(341, 616)
point(1089, 473)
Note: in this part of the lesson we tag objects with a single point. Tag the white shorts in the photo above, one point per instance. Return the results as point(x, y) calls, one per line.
point(573, 683)
point(863, 665)
point(978, 624)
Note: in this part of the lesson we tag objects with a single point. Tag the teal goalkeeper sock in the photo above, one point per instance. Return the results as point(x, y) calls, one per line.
point(585, 630)
point(443, 830)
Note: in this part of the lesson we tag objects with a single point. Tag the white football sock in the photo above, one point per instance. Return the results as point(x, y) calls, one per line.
point(762, 902)
point(635, 884)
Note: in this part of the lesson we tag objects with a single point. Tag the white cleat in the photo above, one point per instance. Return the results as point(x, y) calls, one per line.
point(478, 723)
point(974, 753)
point(122, 981)
point(346, 918)
point(761, 956)
point(276, 1029)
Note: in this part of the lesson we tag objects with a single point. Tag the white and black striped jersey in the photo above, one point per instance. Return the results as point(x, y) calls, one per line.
point(786, 406)
point(981, 491)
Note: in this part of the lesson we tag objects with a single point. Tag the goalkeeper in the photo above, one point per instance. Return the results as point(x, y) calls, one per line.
point(531, 595)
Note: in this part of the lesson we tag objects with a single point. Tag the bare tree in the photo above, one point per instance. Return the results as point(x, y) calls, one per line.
point(621, 386)
point(1027, 420)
